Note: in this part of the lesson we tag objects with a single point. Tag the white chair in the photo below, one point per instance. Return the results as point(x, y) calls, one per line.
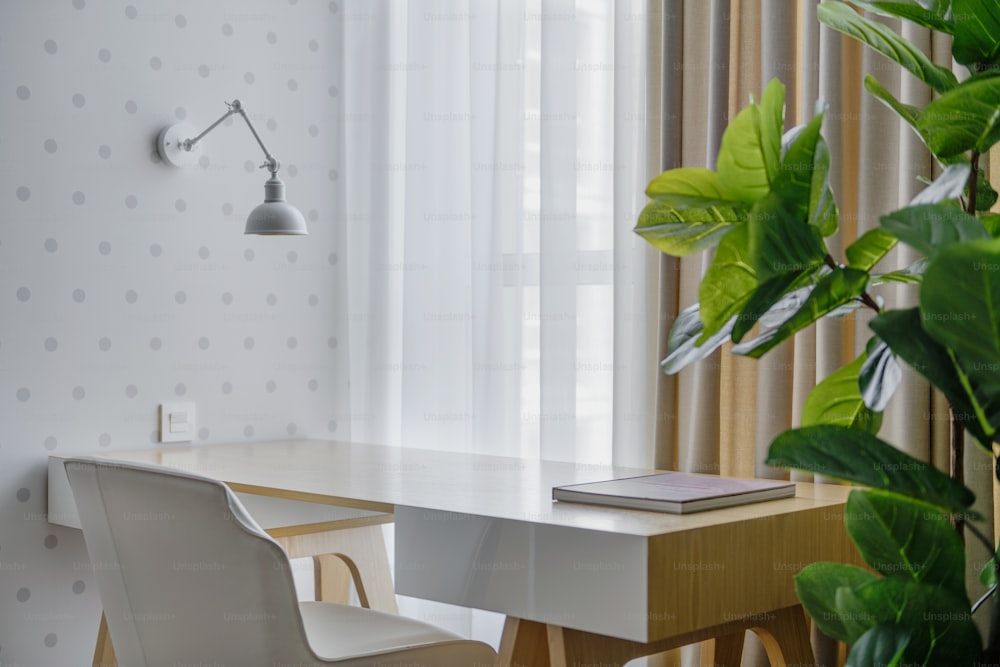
point(187, 577)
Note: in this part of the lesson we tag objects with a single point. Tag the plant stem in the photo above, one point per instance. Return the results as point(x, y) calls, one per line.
point(958, 459)
point(970, 205)
point(870, 302)
point(957, 447)
point(865, 298)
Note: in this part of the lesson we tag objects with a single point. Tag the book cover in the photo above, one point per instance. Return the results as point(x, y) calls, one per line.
point(675, 492)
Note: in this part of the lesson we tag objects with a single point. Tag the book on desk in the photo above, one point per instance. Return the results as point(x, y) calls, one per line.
point(674, 492)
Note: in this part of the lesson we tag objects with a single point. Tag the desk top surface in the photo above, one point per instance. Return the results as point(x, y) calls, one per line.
point(378, 478)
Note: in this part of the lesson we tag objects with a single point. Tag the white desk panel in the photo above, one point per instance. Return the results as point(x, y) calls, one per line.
point(583, 579)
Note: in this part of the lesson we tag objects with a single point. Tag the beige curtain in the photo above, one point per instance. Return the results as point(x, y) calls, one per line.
point(721, 415)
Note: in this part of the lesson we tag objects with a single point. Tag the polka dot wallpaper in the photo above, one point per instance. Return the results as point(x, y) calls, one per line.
point(125, 282)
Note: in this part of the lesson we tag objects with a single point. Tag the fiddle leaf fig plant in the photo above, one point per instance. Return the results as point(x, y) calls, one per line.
point(766, 211)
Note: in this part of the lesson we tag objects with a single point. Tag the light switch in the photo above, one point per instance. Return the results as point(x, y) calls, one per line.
point(177, 422)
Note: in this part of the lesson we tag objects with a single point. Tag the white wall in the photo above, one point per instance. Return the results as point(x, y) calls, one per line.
point(124, 283)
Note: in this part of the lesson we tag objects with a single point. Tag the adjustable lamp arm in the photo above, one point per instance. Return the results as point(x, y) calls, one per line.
point(236, 107)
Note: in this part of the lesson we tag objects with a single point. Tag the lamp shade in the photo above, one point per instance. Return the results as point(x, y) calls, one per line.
point(275, 217)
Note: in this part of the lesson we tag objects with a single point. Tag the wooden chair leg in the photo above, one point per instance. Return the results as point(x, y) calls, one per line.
point(523, 643)
point(104, 652)
point(332, 579)
point(362, 550)
point(365, 556)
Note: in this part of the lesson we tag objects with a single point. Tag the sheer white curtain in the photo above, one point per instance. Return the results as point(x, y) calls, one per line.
point(495, 156)
point(433, 119)
point(495, 298)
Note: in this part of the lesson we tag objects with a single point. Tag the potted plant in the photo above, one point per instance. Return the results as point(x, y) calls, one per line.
point(767, 210)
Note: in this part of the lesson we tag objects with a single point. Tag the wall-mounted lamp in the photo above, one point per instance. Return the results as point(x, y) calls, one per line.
point(275, 216)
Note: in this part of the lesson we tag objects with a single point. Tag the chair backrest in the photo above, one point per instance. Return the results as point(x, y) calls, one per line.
point(185, 575)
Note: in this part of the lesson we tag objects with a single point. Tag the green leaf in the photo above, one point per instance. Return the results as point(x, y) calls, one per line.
point(803, 179)
point(750, 150)
point(833, 290)
point(960, 307)
point(987, 73)
point(816, 586)
point(687, 326)
point(854, 613)
point(950, 184)
point(992, 224)
point(772, 124)
point(966, 118)
point(943, 631)
point(823, 212)
point(912, 274)
point(837, 400)
point(930, 228)
point(906, 538)
point(683, 348)
point(931, 14)
point(793, 181)
point(681, 232)
point(882, 645)
point(986, 196)
point(772, 243)
point(879, 37)
point(763, 299)
point(869, 250)
point(879, 377)
point(779, 243)
point(904, 332)
point(728, 283)
point(856, 456)
point(977, 32)
point(690, 211)
point(988, 574)
point(689, 187)
point(907, 112)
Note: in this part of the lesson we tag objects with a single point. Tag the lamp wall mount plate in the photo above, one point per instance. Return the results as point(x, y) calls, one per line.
point(170, 144)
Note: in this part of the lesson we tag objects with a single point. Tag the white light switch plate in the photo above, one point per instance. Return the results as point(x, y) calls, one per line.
point(177, 422)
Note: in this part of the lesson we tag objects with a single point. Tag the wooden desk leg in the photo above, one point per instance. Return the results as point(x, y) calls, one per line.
point(574, 648)
point(728, 650)
point(785, 635)
point(104, 652)
point(523, 644)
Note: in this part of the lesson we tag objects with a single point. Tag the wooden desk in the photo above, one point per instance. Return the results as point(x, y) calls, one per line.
point(579, 584)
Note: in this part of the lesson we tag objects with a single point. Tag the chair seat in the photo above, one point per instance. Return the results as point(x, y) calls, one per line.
point(344, 634)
